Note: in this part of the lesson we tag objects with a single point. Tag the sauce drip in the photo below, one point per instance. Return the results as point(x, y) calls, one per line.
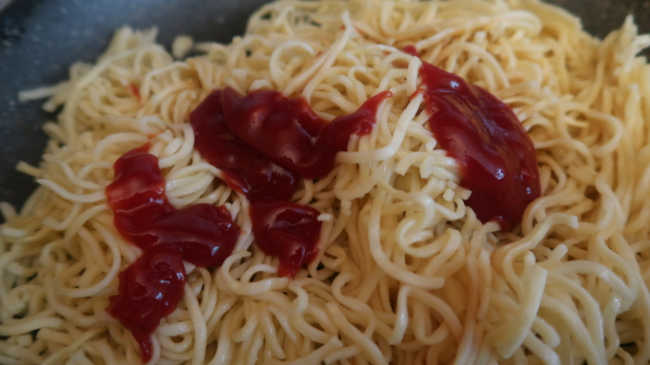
point(410, 49)
point(152, 286)
point(265, 142)
point(247, 170)
point(496, 157)
point(294, 226)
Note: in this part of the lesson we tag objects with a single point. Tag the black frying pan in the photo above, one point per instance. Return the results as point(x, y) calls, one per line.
point(40, 39)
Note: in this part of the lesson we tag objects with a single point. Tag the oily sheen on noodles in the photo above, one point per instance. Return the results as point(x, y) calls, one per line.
point(406, 273)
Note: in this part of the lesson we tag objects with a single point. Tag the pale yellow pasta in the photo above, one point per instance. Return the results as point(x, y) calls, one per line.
point(406, 273)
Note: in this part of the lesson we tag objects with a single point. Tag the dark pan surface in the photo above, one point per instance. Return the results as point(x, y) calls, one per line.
point(40, 39)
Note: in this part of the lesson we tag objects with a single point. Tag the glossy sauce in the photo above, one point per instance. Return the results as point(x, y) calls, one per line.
point(289, 133)
point(152, 286)
point(265, 142)
point(496, 157)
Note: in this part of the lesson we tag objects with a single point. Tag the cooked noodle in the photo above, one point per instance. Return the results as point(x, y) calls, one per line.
point(406, 273)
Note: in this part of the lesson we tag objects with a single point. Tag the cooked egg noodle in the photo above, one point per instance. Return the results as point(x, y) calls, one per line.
point(406, 273)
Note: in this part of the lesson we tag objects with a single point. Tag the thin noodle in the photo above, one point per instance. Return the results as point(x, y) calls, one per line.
point(406, 273)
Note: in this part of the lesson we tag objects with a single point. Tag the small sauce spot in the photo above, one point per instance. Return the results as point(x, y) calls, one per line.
point(150, 289)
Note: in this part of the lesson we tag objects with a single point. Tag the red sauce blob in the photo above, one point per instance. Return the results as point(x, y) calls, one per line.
point(295, 227)
point(265, 142)
point(496, 157)
point(152, 286)
point(204, 234)
point(410, 49)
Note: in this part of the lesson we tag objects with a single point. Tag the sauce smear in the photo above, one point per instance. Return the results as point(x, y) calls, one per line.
point(496, 157)
point(137, 196)
point(152, 286)
point(294, 226)
point(265, 142)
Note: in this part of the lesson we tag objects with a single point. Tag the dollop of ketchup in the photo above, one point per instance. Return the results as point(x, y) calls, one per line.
point(286, 230)
point(247, 170)
point(152, 286)
point(265, 142)
point(288, 132)
point(496, 157)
